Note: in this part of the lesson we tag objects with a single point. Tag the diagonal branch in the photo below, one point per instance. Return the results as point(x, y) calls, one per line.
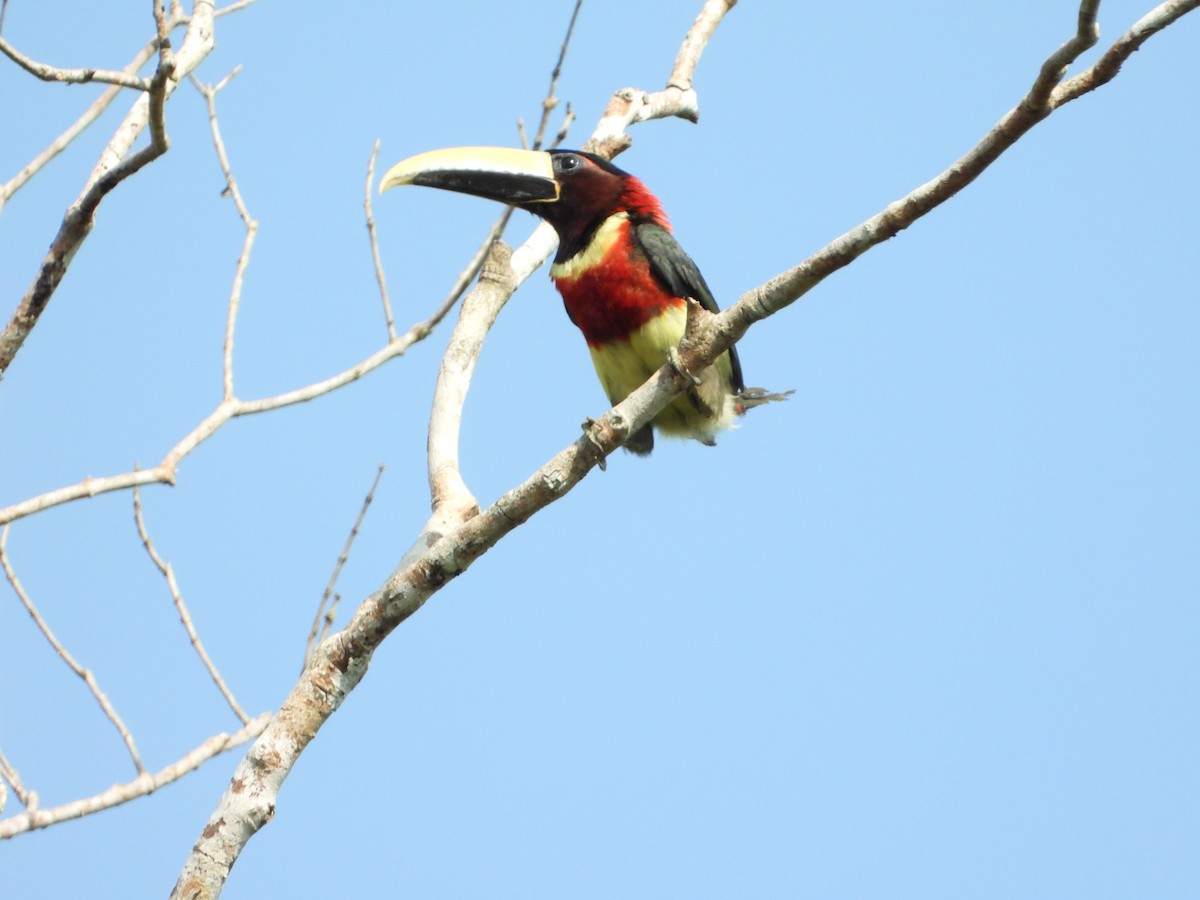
point(144, 785)
point(376, 259)
point(120, 78)
point(1125, 46)
point(115, 165)
point(209, 92)
point(9, 775)
point(319, 632)
point(1047, 94)
point(185, 617)
point(89, 679)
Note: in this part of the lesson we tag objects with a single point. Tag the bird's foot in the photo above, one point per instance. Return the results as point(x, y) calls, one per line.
point(588, 426)
point(677, 364)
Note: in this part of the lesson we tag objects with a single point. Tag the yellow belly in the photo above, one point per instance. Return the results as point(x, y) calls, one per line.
point(623, 366)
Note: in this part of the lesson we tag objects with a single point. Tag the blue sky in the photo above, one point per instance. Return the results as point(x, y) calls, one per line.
point(929, 629)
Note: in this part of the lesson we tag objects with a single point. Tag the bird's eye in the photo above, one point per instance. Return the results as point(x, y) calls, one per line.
point(568, 163)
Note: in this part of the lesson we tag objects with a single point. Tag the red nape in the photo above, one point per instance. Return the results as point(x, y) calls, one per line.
point(616, 296)
point(642, 205)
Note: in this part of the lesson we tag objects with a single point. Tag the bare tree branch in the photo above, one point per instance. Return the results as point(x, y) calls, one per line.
point(337, 570)
point(115, 165)
point(1125, 46)
point(181, 608)
point(60, 143)
point(143, 785)
point(249, 222)
point(89, 679)
point(451, 499)
point(45, 72)
point(376, 259)
point(100, 104)
point(9, 774)
point(1046, 95)
point(551, 102)
point(341, 661)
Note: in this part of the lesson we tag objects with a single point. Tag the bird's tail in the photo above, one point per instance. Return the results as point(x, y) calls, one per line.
point(752, 397)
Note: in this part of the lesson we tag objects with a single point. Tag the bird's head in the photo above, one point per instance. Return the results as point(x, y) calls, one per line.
point(572, 190)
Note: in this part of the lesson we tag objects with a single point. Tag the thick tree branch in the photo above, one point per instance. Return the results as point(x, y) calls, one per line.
point(341, 661)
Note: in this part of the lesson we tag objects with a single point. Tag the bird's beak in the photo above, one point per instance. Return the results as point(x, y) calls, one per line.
point(495, 173)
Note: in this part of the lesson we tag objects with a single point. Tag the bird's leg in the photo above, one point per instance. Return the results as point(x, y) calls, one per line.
point(676, 362)
point(695, 314)
point(589, 425)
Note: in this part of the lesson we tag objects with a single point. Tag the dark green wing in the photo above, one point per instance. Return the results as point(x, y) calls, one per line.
point(679, 275)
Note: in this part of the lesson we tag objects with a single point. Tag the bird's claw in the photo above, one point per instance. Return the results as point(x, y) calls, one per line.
point(588, 424)
point(677, 364)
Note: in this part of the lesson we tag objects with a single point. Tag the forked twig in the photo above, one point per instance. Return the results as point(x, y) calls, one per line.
point(319, 630)
point(551, 102)
point(11, 776)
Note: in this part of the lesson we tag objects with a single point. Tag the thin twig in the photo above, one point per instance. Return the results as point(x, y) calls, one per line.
point(165, 471)
point(231, 8)
point(33, 819)
point(86, 674)
point(313, 635)
point(73, 76)
point(185, 617)
point(374, 239)
point(551, 102)
point(9, 774)
point(330, 618)
point(563, 129)
point(209, 93)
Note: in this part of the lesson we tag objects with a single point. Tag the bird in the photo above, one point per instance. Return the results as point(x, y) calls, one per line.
point(624, 279)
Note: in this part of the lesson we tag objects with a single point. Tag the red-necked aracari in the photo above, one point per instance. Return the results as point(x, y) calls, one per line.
point(622, 275)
